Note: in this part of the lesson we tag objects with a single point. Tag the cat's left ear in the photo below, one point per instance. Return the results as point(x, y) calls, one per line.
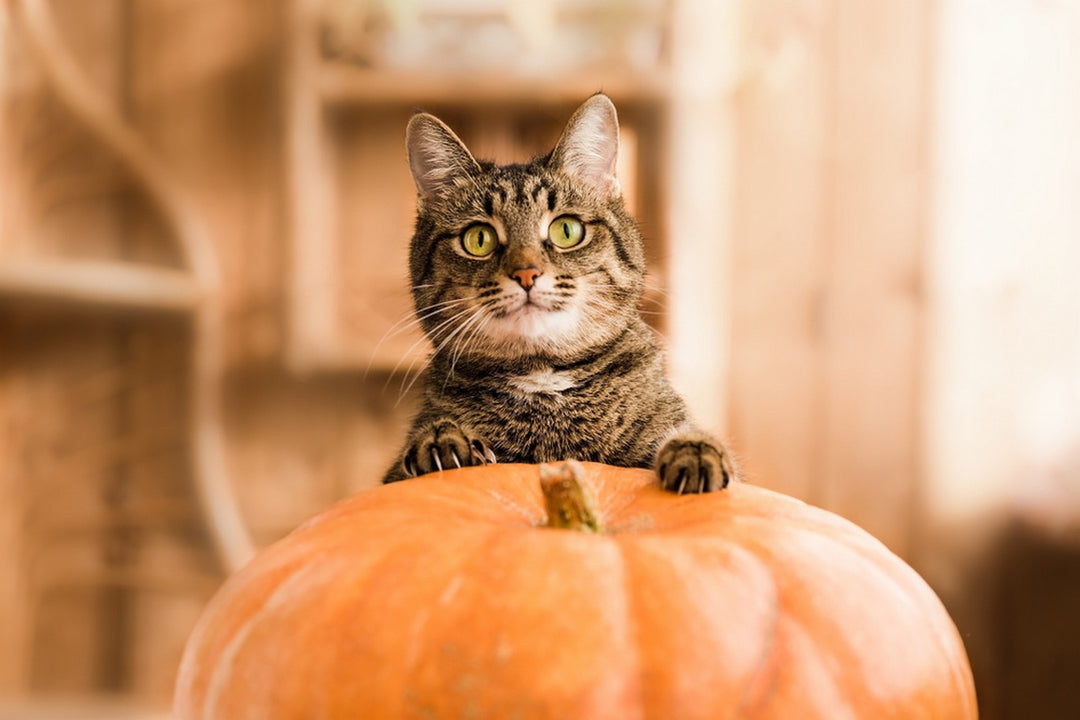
point(589, 145)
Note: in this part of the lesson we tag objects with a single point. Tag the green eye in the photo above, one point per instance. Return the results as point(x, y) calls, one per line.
point(566, 232)
point(480, 240)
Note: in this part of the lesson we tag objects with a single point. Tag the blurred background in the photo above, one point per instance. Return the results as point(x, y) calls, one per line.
point(863, 222)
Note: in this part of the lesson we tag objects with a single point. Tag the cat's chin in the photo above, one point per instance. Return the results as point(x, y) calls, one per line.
point(533, 327)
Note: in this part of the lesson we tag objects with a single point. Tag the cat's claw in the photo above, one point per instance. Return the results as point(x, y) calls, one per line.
point(481, 454)
point(444, 445)
point(694, 463)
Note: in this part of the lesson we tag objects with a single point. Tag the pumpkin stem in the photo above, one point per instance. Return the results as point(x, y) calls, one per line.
point(568, 505)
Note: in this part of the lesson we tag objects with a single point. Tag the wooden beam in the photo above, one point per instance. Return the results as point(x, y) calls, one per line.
point(98, 283)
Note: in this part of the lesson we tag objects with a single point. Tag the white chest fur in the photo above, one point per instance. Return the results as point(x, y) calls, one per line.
point(542, 381)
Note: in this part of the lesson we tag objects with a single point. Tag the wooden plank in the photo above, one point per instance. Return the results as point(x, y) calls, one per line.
point(159, 618)
point(830, 217)
point(779, 243)
point(65, 641)
point(1004, 361)
point(876, 224)
point(312, 238)
point(62, 202)
point(87, 708)
point(696, 196)
point(15, 607)
point(205, 79)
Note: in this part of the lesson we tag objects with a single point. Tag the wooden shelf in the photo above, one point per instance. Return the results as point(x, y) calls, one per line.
point(98, 283)
point(342, 84)
point(93, 708)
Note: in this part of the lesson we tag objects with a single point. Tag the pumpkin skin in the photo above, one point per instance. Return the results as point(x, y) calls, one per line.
point(445, 597)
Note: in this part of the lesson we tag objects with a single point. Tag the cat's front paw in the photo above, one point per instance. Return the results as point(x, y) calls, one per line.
point(444, 445)
point(694, 463)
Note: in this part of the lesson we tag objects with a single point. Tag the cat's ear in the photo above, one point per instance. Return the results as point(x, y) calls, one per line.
point(437, 157)
point(589, 145)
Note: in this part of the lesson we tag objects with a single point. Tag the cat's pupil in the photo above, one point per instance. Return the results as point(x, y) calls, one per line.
point(566, 230)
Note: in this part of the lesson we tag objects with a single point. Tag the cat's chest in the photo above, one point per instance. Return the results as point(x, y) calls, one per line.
point(540, 383)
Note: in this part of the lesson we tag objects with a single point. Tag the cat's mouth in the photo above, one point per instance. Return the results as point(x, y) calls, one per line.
point(529, 303)
point(526, 311)
point(532, 317)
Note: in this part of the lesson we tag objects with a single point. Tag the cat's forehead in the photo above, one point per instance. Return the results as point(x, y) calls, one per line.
point(510, 189)
point(512, 193)
point(518, 182)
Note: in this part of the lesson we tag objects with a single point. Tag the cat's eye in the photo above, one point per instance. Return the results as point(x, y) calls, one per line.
point(566, 232)
point(480, 240)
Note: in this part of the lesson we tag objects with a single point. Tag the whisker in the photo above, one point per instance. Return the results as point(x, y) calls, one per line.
point(408, 322)
point(433, 335)
point(658, 289)
point(440, 346)
point(463, 341)
point(439, 335)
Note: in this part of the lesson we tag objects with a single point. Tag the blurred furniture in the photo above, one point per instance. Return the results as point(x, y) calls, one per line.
point(95, 435)
point(144, 273)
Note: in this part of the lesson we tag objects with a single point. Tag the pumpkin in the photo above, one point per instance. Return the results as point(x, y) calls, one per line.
point(450, 596)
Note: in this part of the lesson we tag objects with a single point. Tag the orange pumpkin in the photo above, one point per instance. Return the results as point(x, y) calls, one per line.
point(447, 597)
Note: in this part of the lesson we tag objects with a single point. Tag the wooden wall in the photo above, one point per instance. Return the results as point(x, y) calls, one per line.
point(792, 198)
point(106, 562)
point(108, 565)
point(829, 232)
point(801, 192)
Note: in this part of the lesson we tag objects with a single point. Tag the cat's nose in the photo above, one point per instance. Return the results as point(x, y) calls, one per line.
point(526, 277)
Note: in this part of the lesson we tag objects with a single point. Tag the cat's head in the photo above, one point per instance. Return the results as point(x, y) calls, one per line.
point(536, 259)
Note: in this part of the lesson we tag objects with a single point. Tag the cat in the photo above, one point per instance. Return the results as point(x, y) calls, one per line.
point(527, 279)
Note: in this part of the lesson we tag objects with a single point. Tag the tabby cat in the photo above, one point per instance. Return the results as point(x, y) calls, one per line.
point(527, 280)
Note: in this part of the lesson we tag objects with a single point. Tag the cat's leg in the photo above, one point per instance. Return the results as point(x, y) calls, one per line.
point(441, 444)
point(692, 461)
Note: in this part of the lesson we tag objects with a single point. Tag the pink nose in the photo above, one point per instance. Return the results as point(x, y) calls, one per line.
point(526, 277)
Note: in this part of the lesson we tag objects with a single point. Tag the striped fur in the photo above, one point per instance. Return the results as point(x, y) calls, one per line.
point(557, 364)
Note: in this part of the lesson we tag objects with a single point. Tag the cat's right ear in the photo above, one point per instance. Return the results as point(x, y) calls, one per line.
point(589, 145)
point(438, 159)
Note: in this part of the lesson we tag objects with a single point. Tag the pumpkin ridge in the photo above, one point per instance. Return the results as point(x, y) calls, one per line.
point(922, 600)
point(761, 682)
point(217, 686)
point(665, 575)
point(868, 563)
point(371, 601)
point(262, 580)
point(787, 629)
point(910, 586)
point(446, 592)
point(633, 629)
point(505, 650)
